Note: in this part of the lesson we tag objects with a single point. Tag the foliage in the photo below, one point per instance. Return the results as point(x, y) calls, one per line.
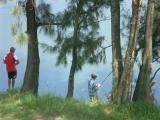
point(156, 31)
point(43, 17)
point(79, 30)
point(18, 27)
point(14, 105)
point(139, 111)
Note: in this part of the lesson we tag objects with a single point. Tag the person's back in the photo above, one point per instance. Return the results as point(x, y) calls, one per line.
point(10, 62)
point(92, 89)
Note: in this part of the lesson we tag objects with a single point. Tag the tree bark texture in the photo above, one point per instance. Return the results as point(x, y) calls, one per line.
point(73, 69)
point(70, 91)
point(117, 66)
point(124, 87)
point(32, 69)
point(142, 90)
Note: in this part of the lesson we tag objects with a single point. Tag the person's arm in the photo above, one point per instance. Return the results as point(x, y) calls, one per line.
point(4, 59)
point(16, 60)
point(98, 85)
point(95, 87)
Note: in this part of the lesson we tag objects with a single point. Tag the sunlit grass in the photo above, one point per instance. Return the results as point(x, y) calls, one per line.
point(15, 106)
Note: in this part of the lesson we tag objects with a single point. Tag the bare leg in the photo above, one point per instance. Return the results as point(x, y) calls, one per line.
point(9, 83)
point(13, 82)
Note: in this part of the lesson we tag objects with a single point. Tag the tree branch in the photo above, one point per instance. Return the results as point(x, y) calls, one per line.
point(106, 47)
point(96, 21)
point(155, 60)
point(104, 19)
point(48, 24)
point(93, 8)
point(155, 74)
point(136, 52)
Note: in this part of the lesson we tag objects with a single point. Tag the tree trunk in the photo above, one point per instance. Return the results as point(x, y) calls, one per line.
point(73, 69)
point(32, 69)
point(124, 87)
point(142, 90)
point(117, 66)
point(71, 75)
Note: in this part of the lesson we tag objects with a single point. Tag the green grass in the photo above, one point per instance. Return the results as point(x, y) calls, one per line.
point(15, 106)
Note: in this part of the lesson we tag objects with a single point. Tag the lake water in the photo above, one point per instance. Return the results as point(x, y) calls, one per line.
point(54, 79)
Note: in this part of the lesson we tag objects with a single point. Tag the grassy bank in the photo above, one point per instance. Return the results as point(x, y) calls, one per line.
point(14, 106)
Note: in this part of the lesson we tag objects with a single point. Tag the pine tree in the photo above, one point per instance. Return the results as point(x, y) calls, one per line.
point(78, 37)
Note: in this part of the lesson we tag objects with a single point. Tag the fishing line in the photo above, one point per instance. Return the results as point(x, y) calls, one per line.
point(106, 77)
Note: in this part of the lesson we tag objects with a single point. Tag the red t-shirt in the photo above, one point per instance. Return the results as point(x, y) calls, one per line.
point(9, 60)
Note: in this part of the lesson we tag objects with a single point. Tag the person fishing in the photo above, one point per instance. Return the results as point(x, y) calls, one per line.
point(93, 87)
point(11, 61)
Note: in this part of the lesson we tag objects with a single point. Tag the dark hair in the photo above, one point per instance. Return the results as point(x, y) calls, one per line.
point(12, 49)
point(93, 76)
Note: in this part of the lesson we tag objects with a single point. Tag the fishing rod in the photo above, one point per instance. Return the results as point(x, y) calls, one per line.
point(106, 77)
point(108, 95)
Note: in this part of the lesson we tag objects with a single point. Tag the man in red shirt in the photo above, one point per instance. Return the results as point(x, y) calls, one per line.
point(11, 61)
